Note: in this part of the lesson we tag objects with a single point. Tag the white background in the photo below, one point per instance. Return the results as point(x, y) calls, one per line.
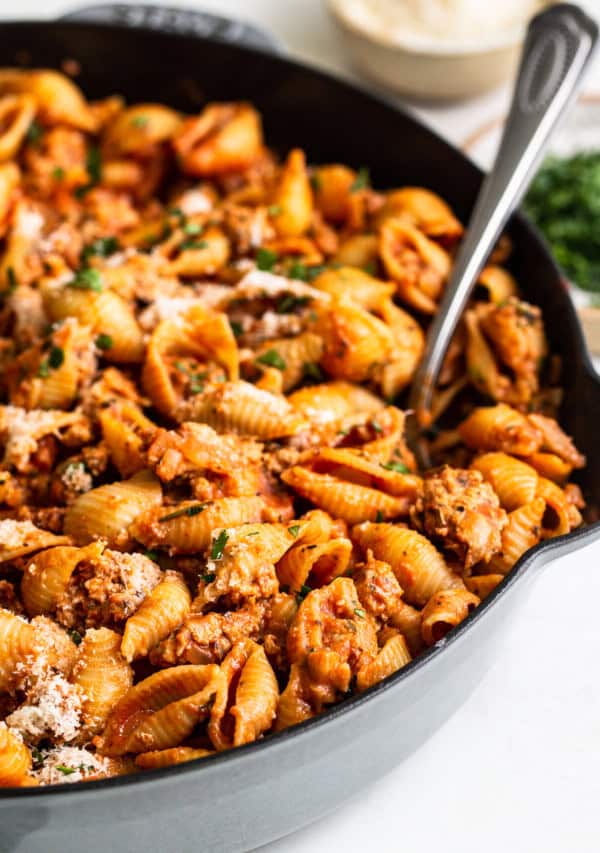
point(518, 767)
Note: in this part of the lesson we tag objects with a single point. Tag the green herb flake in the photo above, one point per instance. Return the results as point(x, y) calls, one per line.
point(140, 121)
point(190, 245)
point(193, 228)
point(93, 164)
point(178, 213)
point(58, 173)
point(290, 302)
point(274, 210)
point(298, 270)
point(152, 555)
point(294, 529)
point(399, 467)
point(189, 511)
point(376, 425)
point(104, 342)
point(311, 370)
point(266, 259)
point(12, 279)
point(37, 757)
point(236, 328)
point(379, 517)
point(302, 593)
point(56, 357)
point(271, 358)
point(216, 551)
point(362, 180)
point(87, 279)
point(34, 133)
point(360, 612)
point(44, 370)
point(208, 577)
point(315, 182)
point(65, 770)
point(102, 248)
point(75, 636)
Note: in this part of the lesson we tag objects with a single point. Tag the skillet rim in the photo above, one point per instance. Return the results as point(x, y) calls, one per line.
point(538, 555)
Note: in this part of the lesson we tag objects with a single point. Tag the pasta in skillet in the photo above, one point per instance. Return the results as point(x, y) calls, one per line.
point(211, 525)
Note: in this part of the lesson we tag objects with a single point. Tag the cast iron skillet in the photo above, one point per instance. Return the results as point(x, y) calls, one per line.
point(254, 794)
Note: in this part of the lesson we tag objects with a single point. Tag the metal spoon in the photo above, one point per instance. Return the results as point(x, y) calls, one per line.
point(559, 45)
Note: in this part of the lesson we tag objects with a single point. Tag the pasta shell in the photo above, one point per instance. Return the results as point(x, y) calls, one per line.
point(294, 705)
point(560, 515)
point(326, 561)
point(16, 115)
point(365, 290)
point(19, 538)
point(169, 757)
point(407, 620)
point(349, 465)
point(523, 531)
point(333, 401)
point(295, 353)
point(419, 567)
point(251, 704)
point(500, 428)
point(355, 342)
point(125, 430)
point(425, 210)
point(499, 284)
point(160, 711)
point(103, 675)
point(139, 127)
point(17, 644)
point(190, 531)
point(550, 466)
point(15, 759)
point(161, 612)
point(444, 611)
point(108, 511)
point(46, 576)
point(514, 481)
point(244, 409)
point(351, 502)
point(392, 657)
point(483, 585)
point(59, 100)
point(293, 197)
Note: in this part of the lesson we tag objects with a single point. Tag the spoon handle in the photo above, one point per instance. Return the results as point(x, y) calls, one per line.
point(558, 47)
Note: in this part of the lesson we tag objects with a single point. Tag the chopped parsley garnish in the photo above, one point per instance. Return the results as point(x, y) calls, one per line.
point(65, 770)
point(209, 577)
point(315, 182)
point(266, 259)
point(360, 612)
point(35, 132)
point(302, 272)
point(104, 342)
point(564, 202)
point(236, 328)
point(216, 551)
point(312, 371)
point(58, 173)
point(102, 247)
point(399, 467)
point(140, 121)
point(272, 359)
point(370, 267)
point(152, 555)
point(302, 593)
point(379, 517)
point(37, 757)
point(294, 529)
point(362, 180)
point(75, 636)
point(196, 509)
point(192, 244)
point(93, 164)
point(192, 228)
point(178, 213)
point(290, 302)
point(87, 279)
point(12, 279)
point(56, 356)
point(376, 425)
point(274, 210)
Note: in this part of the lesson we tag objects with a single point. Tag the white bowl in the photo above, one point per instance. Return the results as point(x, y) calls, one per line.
point(444, 72)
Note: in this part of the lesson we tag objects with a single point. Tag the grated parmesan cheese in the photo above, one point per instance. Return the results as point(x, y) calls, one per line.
point(195, 201)
point(76, 478)
point(52, 709)
point(76, 765)
point(13, 534)
point(24, 428)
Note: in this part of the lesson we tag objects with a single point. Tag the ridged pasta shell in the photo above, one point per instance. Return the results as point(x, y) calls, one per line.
point(327, 561)
point(17, 644)
point(47, 575)
point(333, 401)
point(103, 675)
point(19, 538)
point(244, 409)
point(15, 758)
point(253, 705)
point(352, 502)
point(293, 706)
point(125, 430)
point(162, 611)
point(560, 515)
point(500, 428)
point(190, 533)
point(419, 567)
point(363, 289)
point(293, 197)
point(523, 531)
point(108, 511)
point(355, 342)
point(550, 466)
point(514, 481)
point(349, 465)
point(169, 757)
point(444, 611)
point(59, 100)
point(16, 115)
point(483, 585)
point(161, 711)
point(425, 210)
point(392, 657)
point(139, 127)
point(306, 348)
point(407, 620)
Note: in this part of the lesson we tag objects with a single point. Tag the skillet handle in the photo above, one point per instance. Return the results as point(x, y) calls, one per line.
point(179, 21)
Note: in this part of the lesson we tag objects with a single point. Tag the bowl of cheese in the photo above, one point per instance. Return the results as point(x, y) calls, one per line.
point(435, 49)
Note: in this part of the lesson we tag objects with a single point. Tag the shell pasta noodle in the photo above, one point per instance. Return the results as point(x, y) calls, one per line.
point(211, 524)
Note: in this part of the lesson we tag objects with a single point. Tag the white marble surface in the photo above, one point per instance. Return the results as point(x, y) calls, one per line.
point(517, 767)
